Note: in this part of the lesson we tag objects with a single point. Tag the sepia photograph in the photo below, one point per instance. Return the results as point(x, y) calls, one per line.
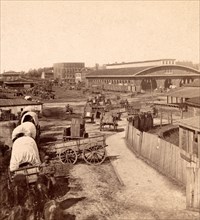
point(100, 110)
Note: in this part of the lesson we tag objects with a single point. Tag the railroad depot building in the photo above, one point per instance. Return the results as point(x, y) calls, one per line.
point(142, 75)
point(67, 71)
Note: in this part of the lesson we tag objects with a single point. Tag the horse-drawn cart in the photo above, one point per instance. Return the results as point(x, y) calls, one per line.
point(91, 149)
point(89, 113)
point(109, 119)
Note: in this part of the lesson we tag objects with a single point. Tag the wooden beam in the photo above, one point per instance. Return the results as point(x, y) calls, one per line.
point(160, 117)
point(198, 144)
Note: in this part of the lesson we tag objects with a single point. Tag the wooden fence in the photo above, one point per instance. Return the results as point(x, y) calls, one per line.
point(164, 156)
point(170, 160)
point(193, 188)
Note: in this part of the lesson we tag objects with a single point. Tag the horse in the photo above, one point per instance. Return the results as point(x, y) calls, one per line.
point(26, 200)
point(43, 192)
point(20, 189)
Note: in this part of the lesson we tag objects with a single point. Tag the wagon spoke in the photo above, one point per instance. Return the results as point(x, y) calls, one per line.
point(94, 155)
point(68, 156)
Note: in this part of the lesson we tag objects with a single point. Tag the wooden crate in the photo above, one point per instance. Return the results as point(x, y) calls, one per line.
point(75, 127)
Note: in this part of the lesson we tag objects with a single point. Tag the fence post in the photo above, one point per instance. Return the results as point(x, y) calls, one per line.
point(160, 117)
point(140, 143)
point(127, 130)
point(193, 188)
point(171, 117)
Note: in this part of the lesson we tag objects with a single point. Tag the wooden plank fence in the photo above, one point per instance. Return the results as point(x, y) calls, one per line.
point(168, 159)
point(193, 188)
point(164, 156)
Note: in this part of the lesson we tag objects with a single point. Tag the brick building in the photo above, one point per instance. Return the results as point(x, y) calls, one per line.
point(67, 71)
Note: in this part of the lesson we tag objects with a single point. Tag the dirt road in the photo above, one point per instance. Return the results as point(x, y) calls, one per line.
point(96, 192)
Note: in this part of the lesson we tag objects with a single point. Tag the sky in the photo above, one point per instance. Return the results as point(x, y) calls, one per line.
point(37, 34)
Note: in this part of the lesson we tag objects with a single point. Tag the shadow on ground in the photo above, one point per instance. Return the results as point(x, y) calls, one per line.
point(70, 202)
point(111, 158)
point(45, 139)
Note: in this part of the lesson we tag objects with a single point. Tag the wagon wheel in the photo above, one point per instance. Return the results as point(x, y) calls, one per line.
point(68, 156)
point(94, 155)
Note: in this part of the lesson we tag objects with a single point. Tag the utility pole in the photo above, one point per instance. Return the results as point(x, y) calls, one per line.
point(151, 90)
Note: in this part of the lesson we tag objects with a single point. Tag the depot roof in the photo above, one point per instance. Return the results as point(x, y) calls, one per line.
point(131, 71)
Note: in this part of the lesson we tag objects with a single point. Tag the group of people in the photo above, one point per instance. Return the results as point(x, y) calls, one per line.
point(142, 121)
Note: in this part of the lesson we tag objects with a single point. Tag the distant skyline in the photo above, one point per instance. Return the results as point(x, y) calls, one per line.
point(37, 34)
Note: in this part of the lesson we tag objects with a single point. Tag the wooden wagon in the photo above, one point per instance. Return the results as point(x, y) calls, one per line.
point(89, 113)
point(31, 174)
point(91, 149)
point(109, 119)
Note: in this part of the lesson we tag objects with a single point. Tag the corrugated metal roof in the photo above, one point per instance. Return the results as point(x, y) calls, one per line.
point(185, 92)
point(192, 123)
point(118, 72)
point(16, 102)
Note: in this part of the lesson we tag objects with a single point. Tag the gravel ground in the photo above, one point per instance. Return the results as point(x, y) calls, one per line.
point(96, 192)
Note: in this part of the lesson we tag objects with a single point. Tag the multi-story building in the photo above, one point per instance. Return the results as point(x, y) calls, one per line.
point(67, 71)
